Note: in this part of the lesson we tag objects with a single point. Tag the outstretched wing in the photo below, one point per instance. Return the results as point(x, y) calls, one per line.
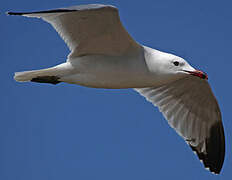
point(192, 110)
point(88, 29)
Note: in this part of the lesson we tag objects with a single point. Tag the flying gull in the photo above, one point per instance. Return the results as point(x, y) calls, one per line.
point(104, 55)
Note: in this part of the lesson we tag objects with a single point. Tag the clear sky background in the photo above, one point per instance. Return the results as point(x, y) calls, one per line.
point(71, 132)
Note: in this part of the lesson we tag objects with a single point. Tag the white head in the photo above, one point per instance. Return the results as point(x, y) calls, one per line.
point(170, 67)
point(180, 66)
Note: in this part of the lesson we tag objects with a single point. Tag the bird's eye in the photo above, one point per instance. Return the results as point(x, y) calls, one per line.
point(176, 63)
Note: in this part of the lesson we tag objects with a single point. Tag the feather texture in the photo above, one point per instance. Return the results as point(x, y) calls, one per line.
point(191, 109)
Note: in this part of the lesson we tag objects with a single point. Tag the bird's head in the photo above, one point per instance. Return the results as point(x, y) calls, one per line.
point(168, 67)
point(179, 66)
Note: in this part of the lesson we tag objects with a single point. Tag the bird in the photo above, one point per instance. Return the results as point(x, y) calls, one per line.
point(104, 55)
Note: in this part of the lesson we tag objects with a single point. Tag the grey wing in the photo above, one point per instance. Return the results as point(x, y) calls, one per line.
point(89, 29)
point(192, 110)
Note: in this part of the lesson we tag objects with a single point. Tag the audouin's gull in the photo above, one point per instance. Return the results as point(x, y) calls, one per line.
point(104, 55)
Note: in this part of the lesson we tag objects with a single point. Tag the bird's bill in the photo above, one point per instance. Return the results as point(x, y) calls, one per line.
point(198, 73)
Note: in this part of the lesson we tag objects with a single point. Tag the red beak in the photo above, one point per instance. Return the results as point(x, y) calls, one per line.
point(198, 73)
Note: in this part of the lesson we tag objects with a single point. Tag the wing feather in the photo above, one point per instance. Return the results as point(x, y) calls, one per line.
point(89, 29)
point(192, 110)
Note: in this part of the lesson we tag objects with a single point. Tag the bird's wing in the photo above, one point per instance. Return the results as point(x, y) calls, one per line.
point(89, 29)
point(192, 110)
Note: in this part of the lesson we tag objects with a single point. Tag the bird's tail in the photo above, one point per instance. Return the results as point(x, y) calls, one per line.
point(49, 75)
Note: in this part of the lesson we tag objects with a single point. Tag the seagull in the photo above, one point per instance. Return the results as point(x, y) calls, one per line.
point(104, 55)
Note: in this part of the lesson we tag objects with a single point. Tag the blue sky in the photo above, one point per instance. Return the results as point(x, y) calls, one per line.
point(72, 132)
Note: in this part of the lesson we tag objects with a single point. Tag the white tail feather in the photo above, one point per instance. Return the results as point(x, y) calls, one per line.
point(58, 71)
point(24, 76)
point(29, 75)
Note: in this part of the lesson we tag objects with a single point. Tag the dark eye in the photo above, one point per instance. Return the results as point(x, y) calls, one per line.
point(176, 63)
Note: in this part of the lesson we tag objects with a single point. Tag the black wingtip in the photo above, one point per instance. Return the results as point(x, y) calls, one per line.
point(40, 12)
point(14, 13)
point(213, 158)
point(64, 10)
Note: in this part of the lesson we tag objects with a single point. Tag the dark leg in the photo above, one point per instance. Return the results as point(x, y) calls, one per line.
point(46, 79)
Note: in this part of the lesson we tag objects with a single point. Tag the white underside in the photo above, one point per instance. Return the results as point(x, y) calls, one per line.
point(101, 71)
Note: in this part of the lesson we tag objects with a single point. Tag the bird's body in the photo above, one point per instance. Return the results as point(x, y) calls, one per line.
point(104, 55)
point(111, 72)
